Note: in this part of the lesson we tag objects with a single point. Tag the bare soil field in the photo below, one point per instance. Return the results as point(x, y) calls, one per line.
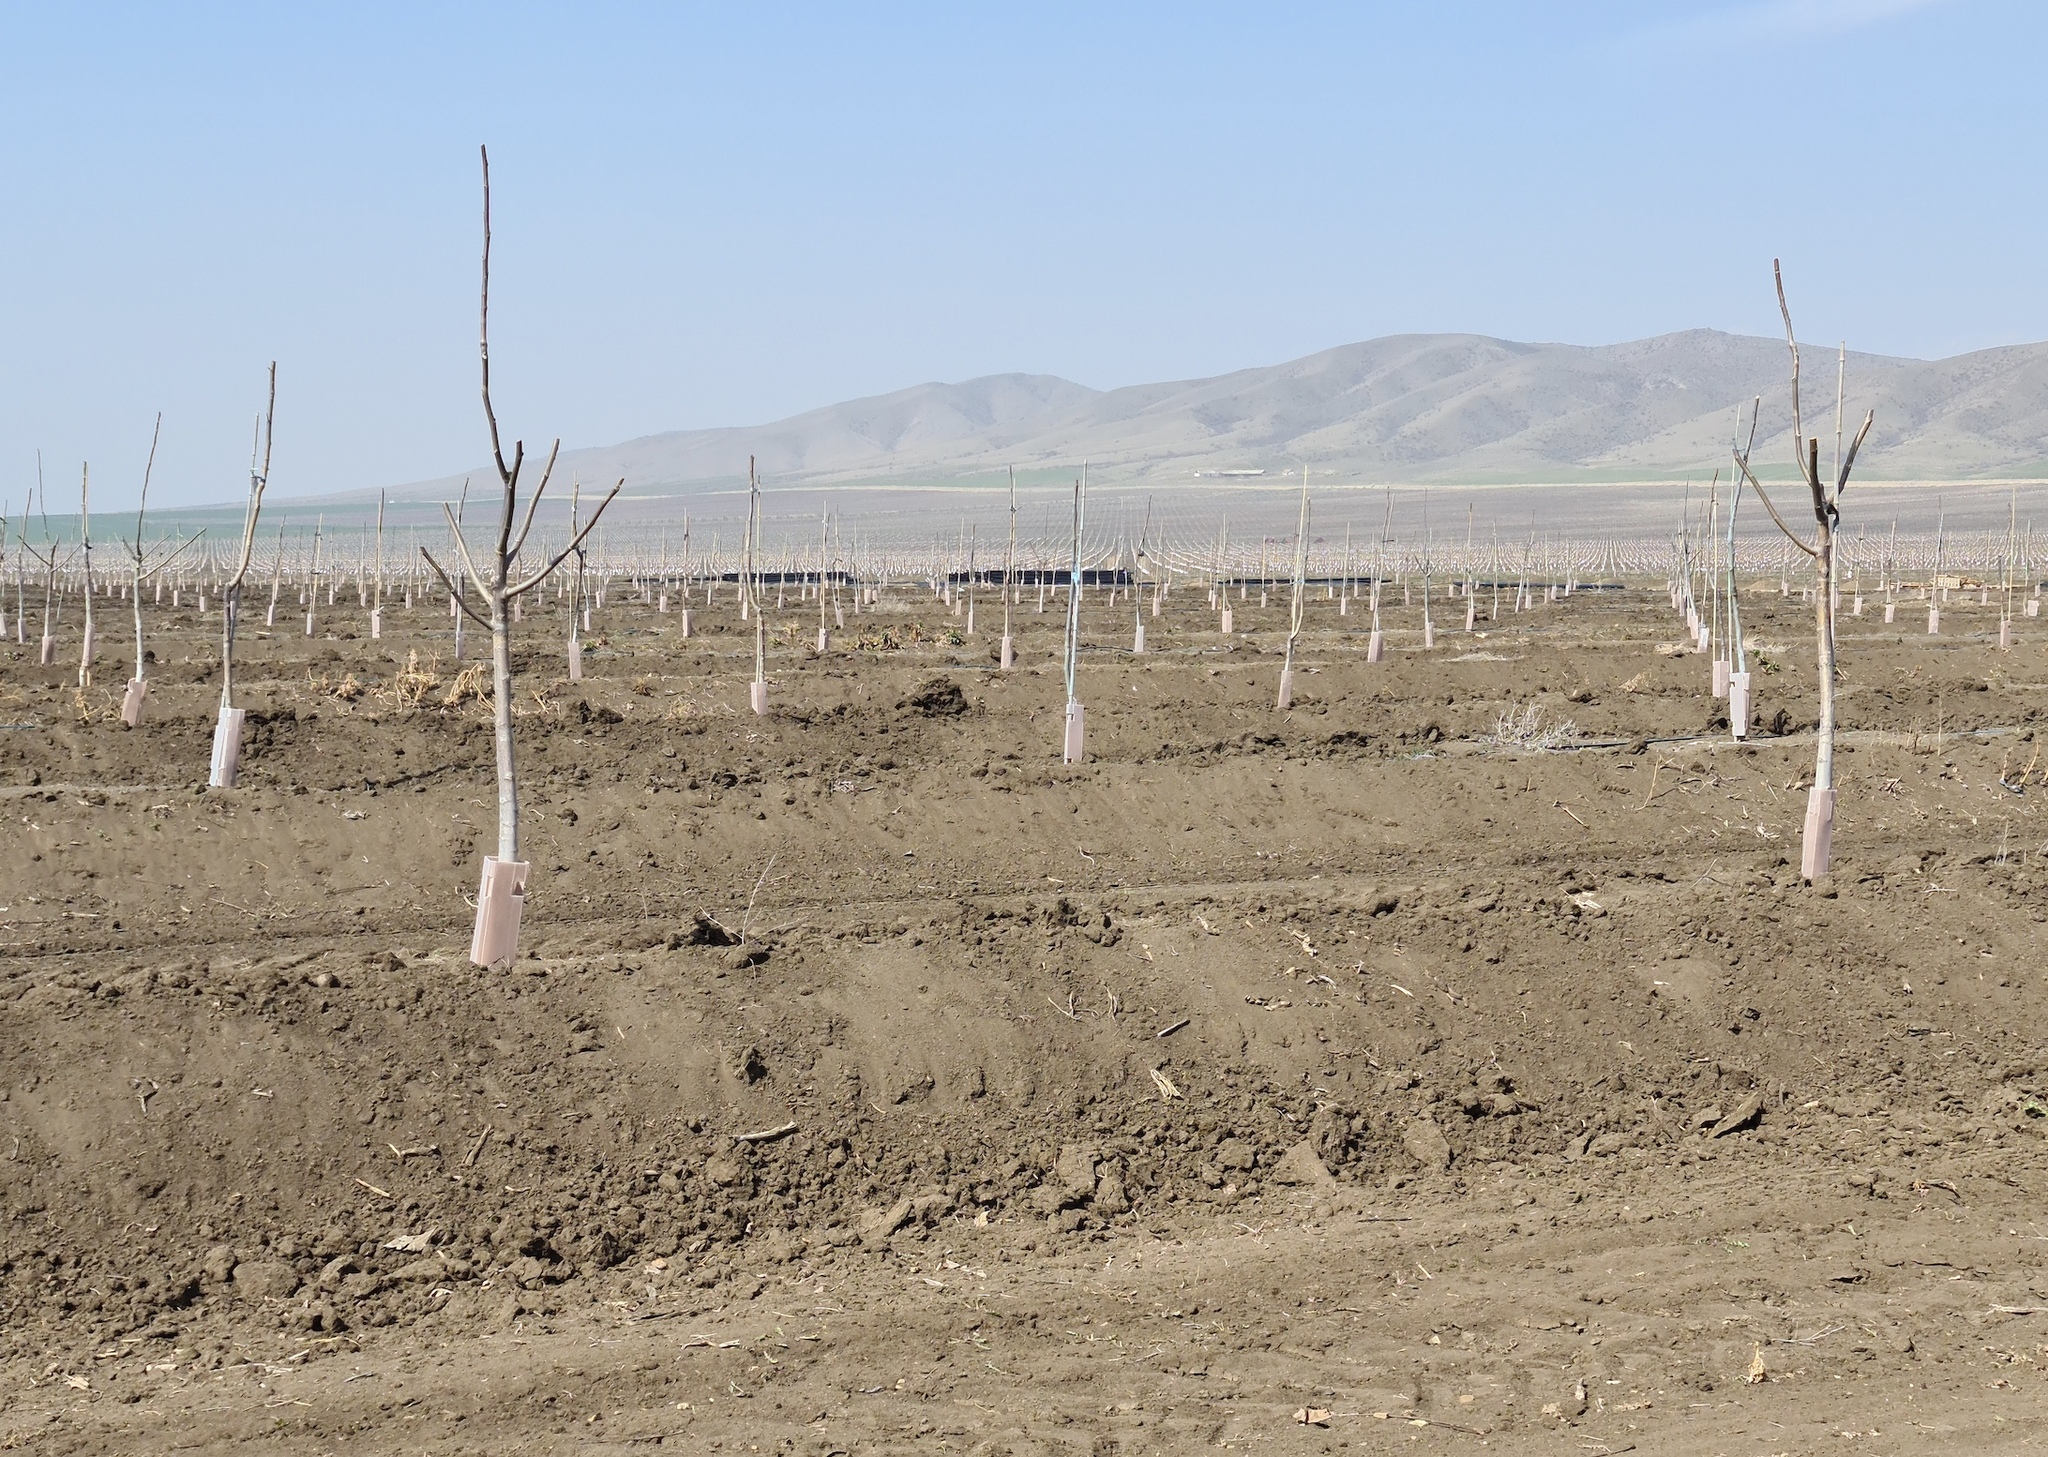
point(1357, 1077)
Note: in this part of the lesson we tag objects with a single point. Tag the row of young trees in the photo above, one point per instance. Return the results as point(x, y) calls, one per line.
point(504, 878)
point(492, 581)
point(321, 562)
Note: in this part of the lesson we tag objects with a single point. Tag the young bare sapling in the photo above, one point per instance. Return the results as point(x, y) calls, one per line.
point(1295, 605)
point(227, 729)
point(578, 617)
point(501, 896)
point(684, 626)
point(144, 565)
point(1137, 590)
point(973, 553)
point(1428, 571)
point(1072, 742)
point(1348, 587)
point(1224, 622)
point(1935, 587)
point(1715, 635)
point(1007, 654)
point(1817, 840)
point(750, 595)
point(313, 574)
point(456, 589)
point(824, 539)
point(2012, 541)
point(85, 552)
point(377, 588)
point(1738, 656)
point(1471, 597)
point(2030, 573)
point(48, 559)
point(1376, 638)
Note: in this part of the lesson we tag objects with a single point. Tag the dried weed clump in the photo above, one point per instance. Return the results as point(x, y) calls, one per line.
point(687, 710)
point(348, 690)
point(907, 635)
point(410, 685)
point(86, 713)
point(469, 685)
point(1527, 727)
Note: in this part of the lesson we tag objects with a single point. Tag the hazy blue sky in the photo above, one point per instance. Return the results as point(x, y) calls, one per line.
point(721, 216)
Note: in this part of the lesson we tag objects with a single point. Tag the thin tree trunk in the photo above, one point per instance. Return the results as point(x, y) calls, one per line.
point(85, 545)
point(501, 725)
point(1824, 625)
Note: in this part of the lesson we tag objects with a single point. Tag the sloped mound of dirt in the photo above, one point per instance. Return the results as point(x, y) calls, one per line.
point(937, 698)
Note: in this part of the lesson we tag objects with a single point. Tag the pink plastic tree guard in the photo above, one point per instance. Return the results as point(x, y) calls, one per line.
point(500, 901)
point(227, 748)
point(1817, 843)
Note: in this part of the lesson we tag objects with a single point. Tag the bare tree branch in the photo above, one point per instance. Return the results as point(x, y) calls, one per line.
point(534, 504)
point(484, 334)
point(538, 577)
point(511, 502)
point(153, 568)
point(1755, 485)
point(142, 505)
point(1785, 310)
point(1855, 445)
point(257, 482)
point(462, 546)
point(461, 599)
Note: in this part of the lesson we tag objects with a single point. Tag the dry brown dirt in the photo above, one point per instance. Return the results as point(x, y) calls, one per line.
point(1346, 1064)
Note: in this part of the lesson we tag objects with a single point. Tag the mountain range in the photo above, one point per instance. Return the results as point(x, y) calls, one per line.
point(1452, 408)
